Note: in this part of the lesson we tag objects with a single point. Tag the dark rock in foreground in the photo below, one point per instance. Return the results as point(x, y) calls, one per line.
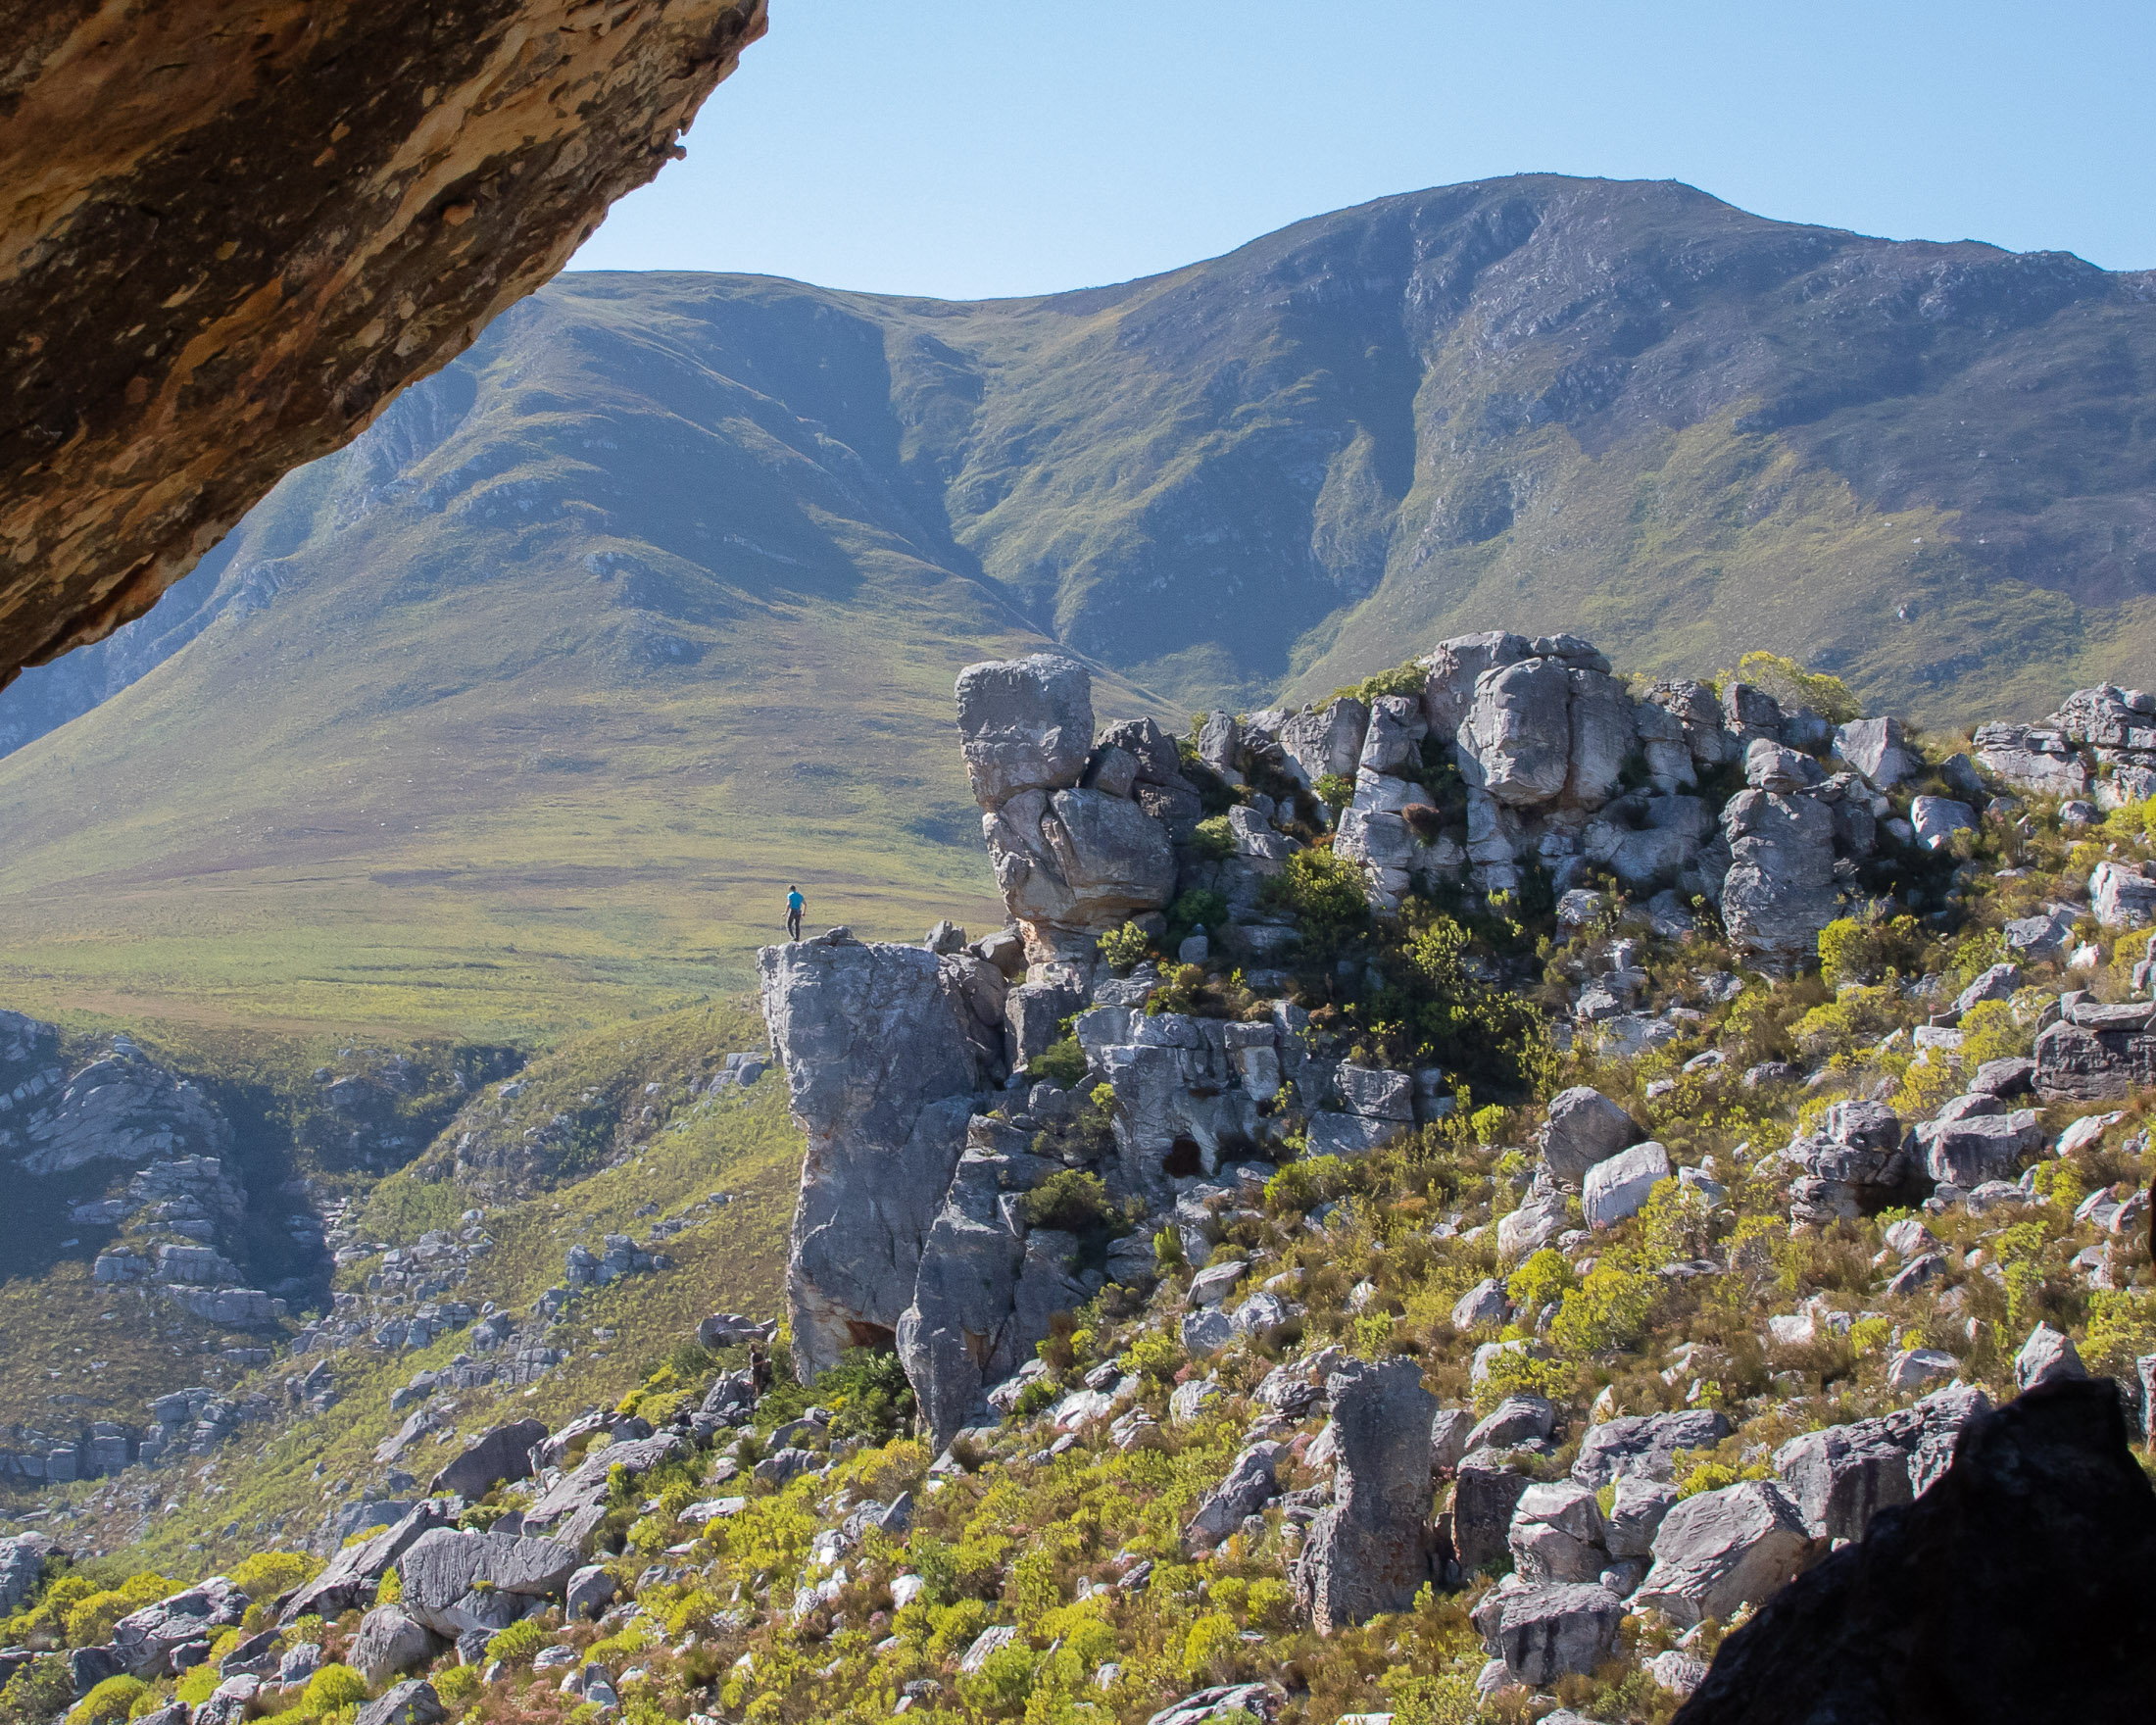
point(2016, 1589)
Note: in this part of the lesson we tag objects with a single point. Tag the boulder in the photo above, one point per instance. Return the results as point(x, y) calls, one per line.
point(1515, 742)
point(1558, 1533)
point(1026, 724)
point(1485, 1493)
point(1482, 1304)
point(353, 1574)
point(1877, 749)
point(1215, 1282)
point(1248, 1485)
point(1968, 1151)
point(1393, 742)
point(1325, 741)
point(1517, 1419)
point(23, 1559)
point(1852, 1166)
point(1645, 1446)
point(501, 1453)
point(147, 1640)
point(1995, 1596)
point(1544, 1633)
point(1075, 864)
point(882, 1056)
point(455, 1580)
point(1620, 1186)
point(1373, 1546)
point(2046, 1357)
point(1451, 670)
point(1635, 1516)
point(1449, 1429)
point(1726, 1549)
point(1222, 1703)
point(2122, 896)
point(1997, 983)
point(588, 1592)
point(1935, 820)
point(389, 1644)
point(1779, 890)
point(409, 1702)
point(1841, 1477)
point(1583, 1127)
point(2097, 1061)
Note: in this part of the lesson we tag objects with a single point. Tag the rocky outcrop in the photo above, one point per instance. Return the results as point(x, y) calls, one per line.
point(119, 1106)
point(501, 1454)
point(884, 1052)
point(457, 1580)
point(2097, 1053)
point(389, 177)
point(1373, 1547)
point(1075, 853)
point(2044, 1507)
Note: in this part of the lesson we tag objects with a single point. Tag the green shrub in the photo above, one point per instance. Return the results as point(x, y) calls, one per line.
point(37, 1692)
point(460, 1683)
point(108, 1702)
point(1125, 947)
point(519, 1641)
point(1304, 1184)
point(1323, 893)
point(1061, 1063)
point(90, 1623)
point(868, 1394)
point(1213, 839)
point(1794, 686)
point(1335, 791)
point(330, 1688)
point(267, 1574)
point(1402, 679)
point(1197, 908)
point(1072, 1200)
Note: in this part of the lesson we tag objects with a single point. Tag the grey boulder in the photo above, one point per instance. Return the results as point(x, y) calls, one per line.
point(455, 1580)
point(1583, 1127)
point(501, 1453)
point(1024, 724)
point(1373, 1547)
point(388, 1643)
point(1726, 1549)
point(409, 1702)
point(1249, 1484)
point(1780, 891)
point(1558, 1534)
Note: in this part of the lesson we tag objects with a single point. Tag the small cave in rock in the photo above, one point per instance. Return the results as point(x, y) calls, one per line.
point(1184, 1160)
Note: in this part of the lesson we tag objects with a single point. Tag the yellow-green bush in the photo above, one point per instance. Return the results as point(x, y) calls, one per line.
point(1545, 1277)
point(331, 1688)
point(460, 1683)
point(90, 1623)
point(519, 1641)
point(267, 1574)
point(108, 1702)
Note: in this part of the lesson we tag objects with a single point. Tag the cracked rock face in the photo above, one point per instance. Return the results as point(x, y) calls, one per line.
point(234, 231)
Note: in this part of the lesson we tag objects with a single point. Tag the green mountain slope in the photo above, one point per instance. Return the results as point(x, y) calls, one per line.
point(520, 712)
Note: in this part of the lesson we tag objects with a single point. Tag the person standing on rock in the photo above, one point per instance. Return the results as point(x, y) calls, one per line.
point(795, 904)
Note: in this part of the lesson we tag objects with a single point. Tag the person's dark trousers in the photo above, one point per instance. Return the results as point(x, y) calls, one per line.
point(793, 926)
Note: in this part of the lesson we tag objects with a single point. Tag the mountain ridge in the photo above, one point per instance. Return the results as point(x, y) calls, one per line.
point(628, 579)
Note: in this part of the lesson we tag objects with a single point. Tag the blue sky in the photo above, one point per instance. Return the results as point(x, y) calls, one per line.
point(969, 148)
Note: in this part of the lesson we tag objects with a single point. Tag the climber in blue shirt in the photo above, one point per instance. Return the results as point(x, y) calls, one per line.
point(794, 905)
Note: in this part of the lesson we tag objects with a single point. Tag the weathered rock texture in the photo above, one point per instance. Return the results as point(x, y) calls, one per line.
point(2044, 1507)
point(1374, 1547)
point(234, 230)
